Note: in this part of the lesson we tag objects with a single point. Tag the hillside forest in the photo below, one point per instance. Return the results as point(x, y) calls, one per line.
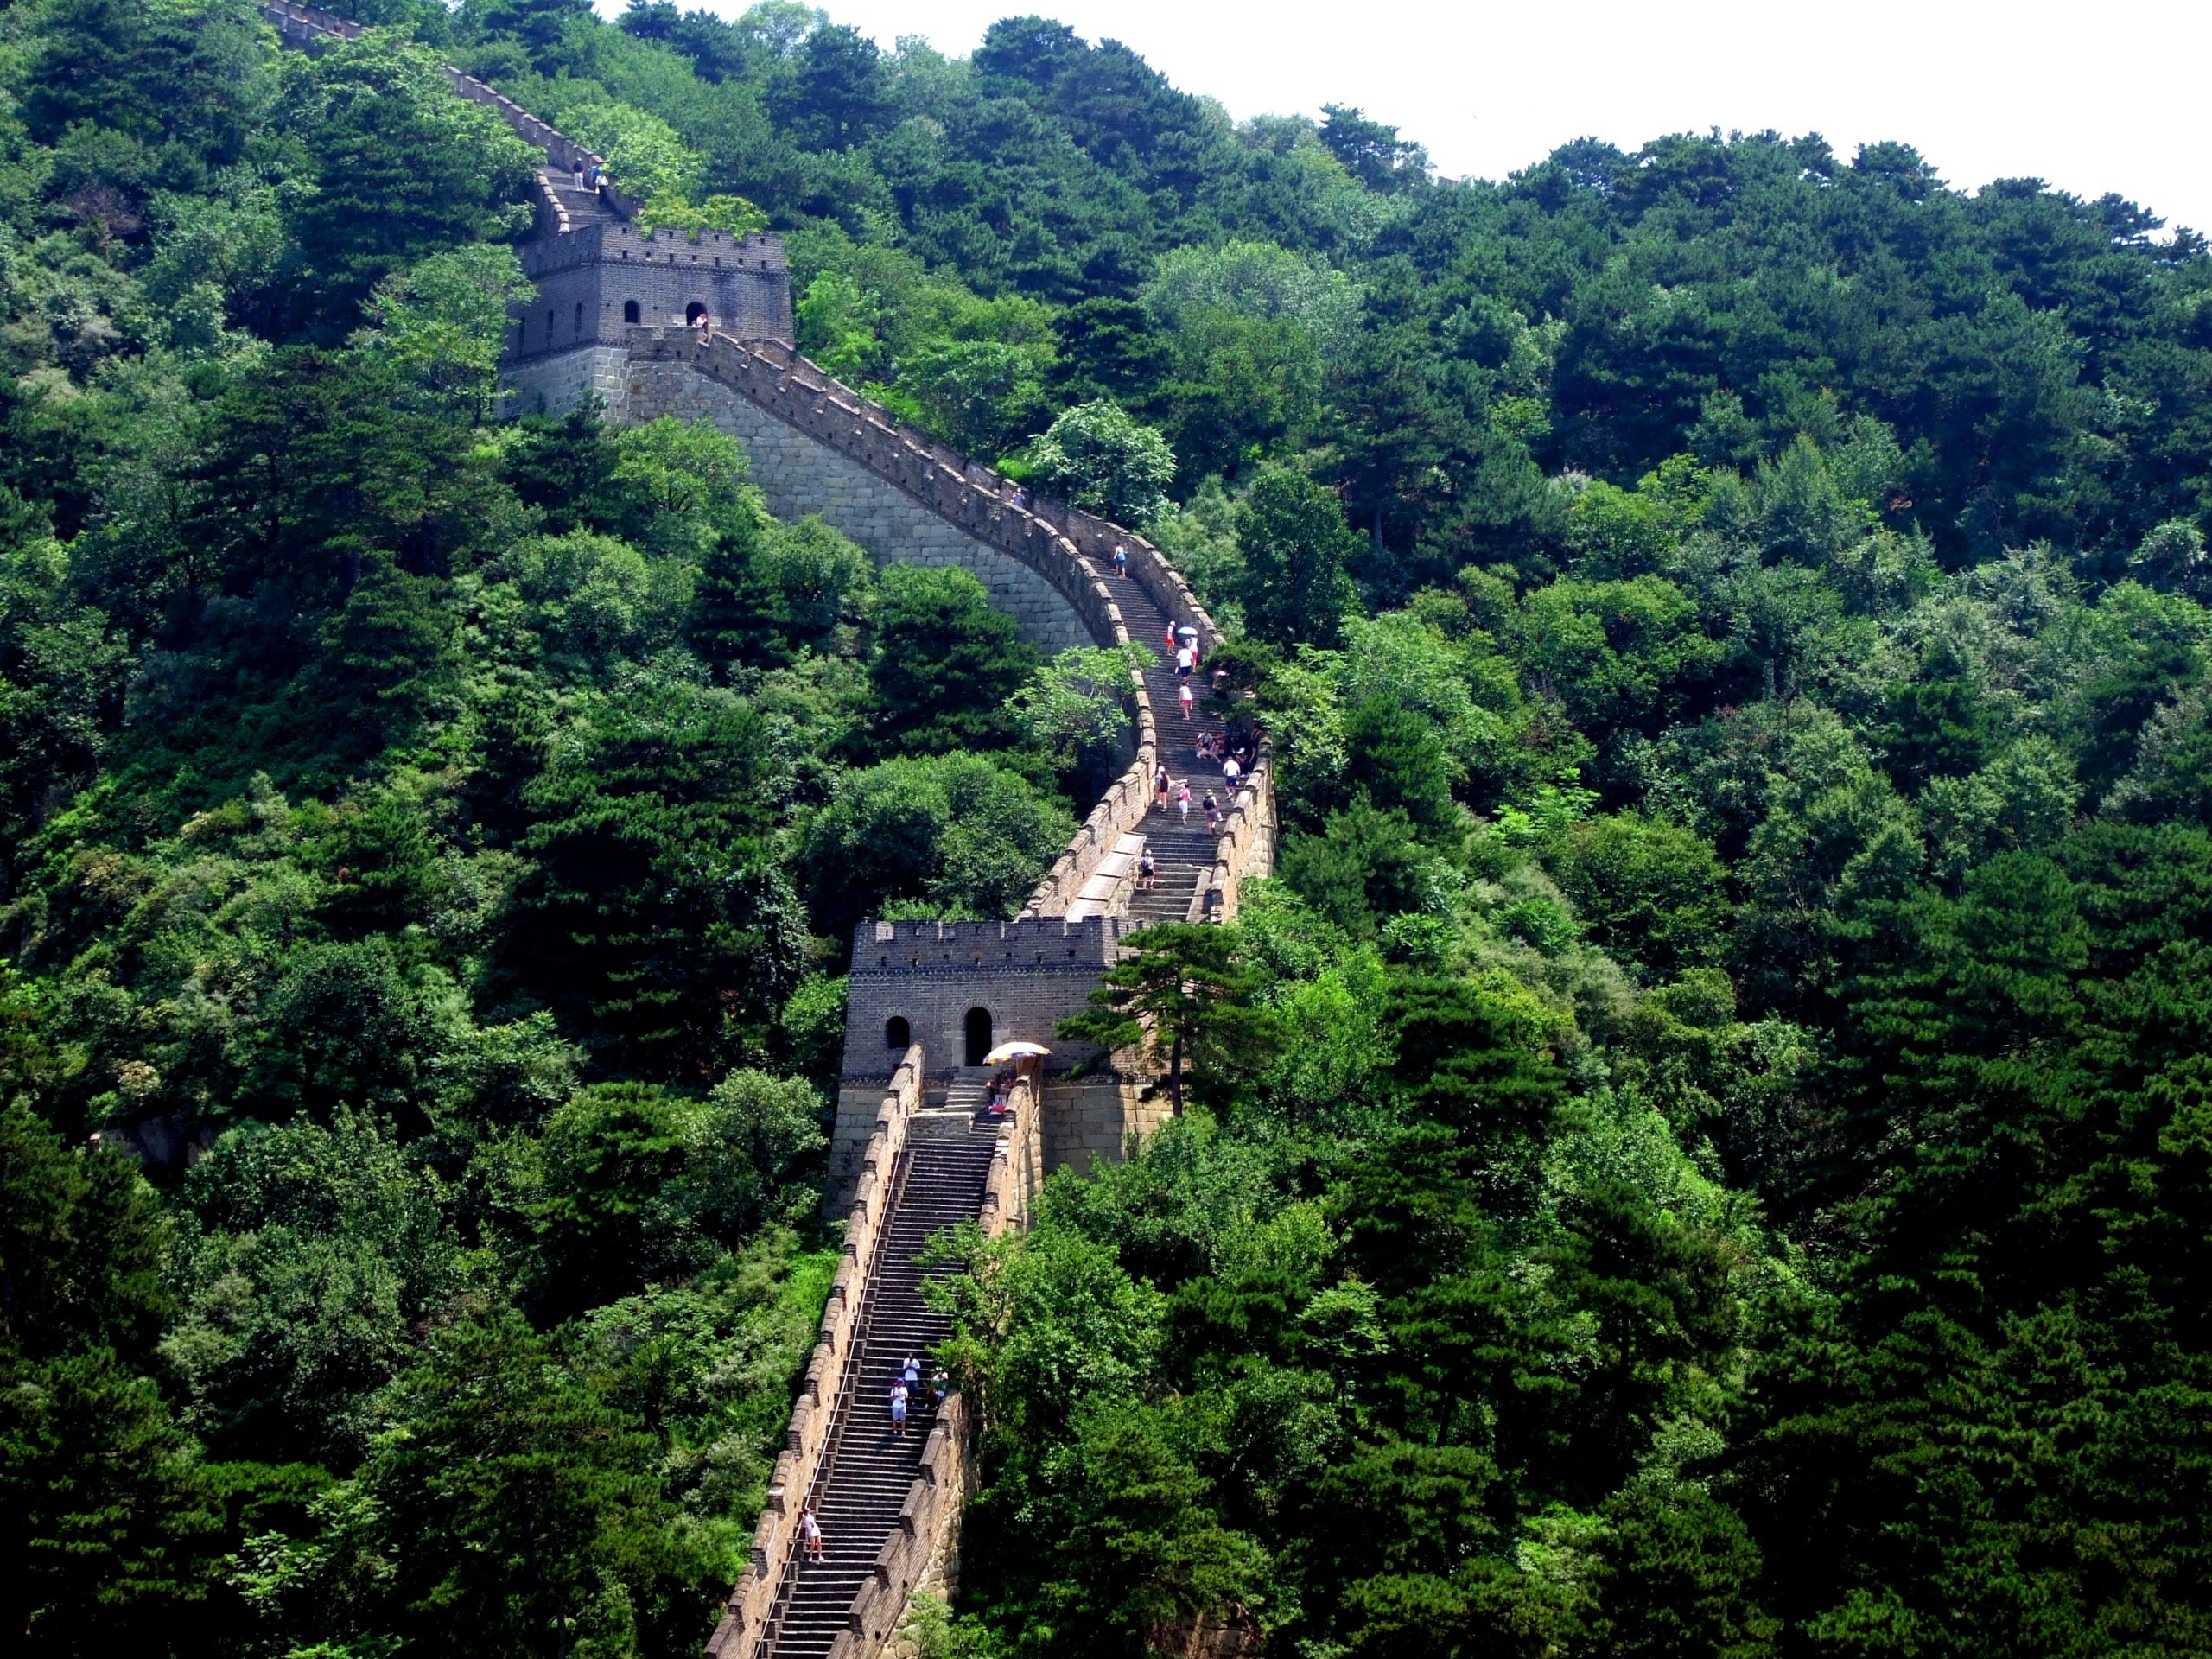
point(1703, 1146)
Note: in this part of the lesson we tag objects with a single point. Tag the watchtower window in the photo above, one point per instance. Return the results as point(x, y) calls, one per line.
point(629, 311)
point(580, 316)
point(979, 1035)
point(897, 1034)
point(548, 328)
point(692, 313)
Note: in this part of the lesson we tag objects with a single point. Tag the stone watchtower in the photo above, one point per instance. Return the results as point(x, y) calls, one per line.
point(598, 282)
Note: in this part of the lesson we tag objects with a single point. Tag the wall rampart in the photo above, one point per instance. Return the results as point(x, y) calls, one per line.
point(807, 1436)
point(800, 473)
point(307, 28)
point(599, 281)
point(561, 380)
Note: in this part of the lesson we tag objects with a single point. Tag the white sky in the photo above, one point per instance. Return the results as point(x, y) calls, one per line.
point(2089, 97)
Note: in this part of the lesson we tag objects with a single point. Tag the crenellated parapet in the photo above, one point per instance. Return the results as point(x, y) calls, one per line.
point(596, 284)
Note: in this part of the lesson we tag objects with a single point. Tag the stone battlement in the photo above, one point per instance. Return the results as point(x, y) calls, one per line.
point(625, 243)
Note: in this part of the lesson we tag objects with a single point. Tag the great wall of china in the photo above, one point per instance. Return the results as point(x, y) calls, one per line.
point(915, 1147)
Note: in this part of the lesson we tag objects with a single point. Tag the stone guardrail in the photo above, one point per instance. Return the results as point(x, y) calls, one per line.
point(302, 26)
point(1017, 1163)
point(800, 394)
point(1246, 843)
point(808, 1434)
point(948, 1470)
point(1248, 827)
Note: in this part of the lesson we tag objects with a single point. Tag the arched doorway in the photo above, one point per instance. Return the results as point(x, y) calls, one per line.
point(979, 1035)
point(629, 311)
point(694, 314)
point(897, 1034)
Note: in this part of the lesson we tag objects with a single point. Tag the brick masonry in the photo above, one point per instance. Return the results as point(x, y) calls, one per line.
point(799, 476)
point(597, 283)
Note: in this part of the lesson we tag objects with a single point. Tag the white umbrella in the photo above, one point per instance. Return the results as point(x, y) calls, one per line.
point(1187, 631)
point(1013, 1052)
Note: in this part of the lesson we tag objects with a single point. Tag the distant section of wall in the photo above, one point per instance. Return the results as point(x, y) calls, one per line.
point(306, 28)
point(800, 474)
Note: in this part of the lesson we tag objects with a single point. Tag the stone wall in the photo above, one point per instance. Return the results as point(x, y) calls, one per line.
point(806, 1437)
point(553, 384)
point(800, 475)
point(1090, 1120)
point(596, 282)
point(1026, 975)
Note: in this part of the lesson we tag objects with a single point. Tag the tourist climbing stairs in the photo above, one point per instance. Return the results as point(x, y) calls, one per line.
point(866, 1470)
point(580, 206)
point(1182, 849)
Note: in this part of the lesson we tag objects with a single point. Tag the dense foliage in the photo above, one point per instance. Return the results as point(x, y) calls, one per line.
point(1702, 1150)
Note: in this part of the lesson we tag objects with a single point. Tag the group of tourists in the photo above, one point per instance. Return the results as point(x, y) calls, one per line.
point(907, 1389)
point(1169, 791)
point(591, 178)
point(1234, 759)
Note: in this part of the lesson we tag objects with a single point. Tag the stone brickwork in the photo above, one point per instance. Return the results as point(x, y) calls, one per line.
point(1091, 1120)
point(929, 976)
point(561, 381)
point(799, 475)
point(600, 280)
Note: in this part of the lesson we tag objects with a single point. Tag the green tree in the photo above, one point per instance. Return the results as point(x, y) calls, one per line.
point(402, 169)
point(1295, 545)
point(954, 834)
point(521, 1510)
point(313, 1254)
point(980, 396)
point(652, 917)
point(1652, 890)
point(944, 663)
point(611, 1154)
point(1103, 461)
point(1182, 994)
point(443, 323)
point(111, 1529)
point(1076, 710)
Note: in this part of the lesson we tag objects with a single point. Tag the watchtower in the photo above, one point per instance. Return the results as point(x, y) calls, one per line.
point(596, 282)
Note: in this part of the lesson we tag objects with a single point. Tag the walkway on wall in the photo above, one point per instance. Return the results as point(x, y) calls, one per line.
point(578, 208)
point(307, 28)
point(1182, 851)
point(869, 1472)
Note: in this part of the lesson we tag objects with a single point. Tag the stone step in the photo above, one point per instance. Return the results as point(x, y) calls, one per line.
point(940, 1183)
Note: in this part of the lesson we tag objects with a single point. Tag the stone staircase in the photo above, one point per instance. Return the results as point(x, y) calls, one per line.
point(868, 1470)
point(1182, 854)
point(576, 209)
